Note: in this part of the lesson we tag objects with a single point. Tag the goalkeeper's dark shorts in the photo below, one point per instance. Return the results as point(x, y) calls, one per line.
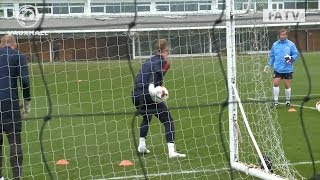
point(146, 106)
point(10, 117)
point(282, 75)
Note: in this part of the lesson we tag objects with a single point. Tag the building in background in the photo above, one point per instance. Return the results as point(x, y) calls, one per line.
point(96, 29)
point(62, 8)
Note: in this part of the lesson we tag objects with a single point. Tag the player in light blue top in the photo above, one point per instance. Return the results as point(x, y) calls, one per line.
point(282, 57)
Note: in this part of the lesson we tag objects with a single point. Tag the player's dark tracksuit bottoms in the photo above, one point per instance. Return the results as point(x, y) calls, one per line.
point(152, 71)
point(13, 66)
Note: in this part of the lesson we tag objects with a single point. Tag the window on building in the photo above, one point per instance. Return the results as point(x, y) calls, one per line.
point(313, 5)
point(205, 5)
point(163, 7)
point(98, 7)
point(280, 5)
point(46, 10)
point(23, 4)
point(6, 5)
point(60, 8)
point(10, 12)
point(245, 6)
point(301, 5)
point(128, 8)
point(177, 6)
point(143, 7)
point(76, 7)
point(113, 8)
point(289, 5)
point(274, 6)
point(221, 5)
point(41, 7)
point(191, 6)
point(44, 4)
point(261, 6)
point(277, 5)
point(6, 9)
point(98, 4)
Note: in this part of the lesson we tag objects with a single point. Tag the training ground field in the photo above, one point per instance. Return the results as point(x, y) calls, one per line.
point(95, 143)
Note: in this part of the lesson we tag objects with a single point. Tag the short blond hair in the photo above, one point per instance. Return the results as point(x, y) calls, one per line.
point(161, 45)
point(8, 40)
point(283, 30)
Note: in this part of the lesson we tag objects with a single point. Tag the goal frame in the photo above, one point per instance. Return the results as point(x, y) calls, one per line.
point(234, 102)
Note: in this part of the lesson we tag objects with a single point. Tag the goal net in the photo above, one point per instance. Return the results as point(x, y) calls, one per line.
point(90, 84)
point(90, 87)
point(254, 98)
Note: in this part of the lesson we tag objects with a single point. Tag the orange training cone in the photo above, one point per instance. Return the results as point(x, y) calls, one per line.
point(62, 162)
point(292, 110)
point(126, 163)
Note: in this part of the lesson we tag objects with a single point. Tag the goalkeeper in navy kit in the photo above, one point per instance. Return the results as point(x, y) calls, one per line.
point(13, 67)
point(282, 57)
point(148, 78)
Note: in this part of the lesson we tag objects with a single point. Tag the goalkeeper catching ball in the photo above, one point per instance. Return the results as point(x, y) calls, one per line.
point(148, 78)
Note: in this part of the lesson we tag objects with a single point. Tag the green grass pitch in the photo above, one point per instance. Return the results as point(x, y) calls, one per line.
point(94, 145)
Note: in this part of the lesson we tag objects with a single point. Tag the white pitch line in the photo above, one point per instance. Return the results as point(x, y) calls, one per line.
point(168, 174)
point(189, 172)
point(303, 163)
point(294, 105)
point(302, 95)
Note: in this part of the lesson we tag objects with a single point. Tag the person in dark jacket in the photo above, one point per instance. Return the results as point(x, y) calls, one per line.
point(13, 67)
point(148, 78)
point(56, 51)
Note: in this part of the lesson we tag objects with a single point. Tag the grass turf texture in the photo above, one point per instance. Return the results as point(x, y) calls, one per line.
point(95, 144)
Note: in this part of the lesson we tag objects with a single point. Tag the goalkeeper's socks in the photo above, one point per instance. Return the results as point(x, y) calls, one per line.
point(142, 142)
point(276, 91)
point(288, 94)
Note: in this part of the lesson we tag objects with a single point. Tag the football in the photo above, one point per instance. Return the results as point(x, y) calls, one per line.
point(162, 94)
point(318, 106)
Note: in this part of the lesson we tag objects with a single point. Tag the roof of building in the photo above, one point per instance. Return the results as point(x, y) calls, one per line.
point(112, 23)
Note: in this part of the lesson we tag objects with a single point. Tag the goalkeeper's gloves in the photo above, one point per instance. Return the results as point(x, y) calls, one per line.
point(153, 91)
point(287, 58)
point(266, 68)
point(26, 106)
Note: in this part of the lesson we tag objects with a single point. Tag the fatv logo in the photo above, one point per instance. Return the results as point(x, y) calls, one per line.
point(27, 16)
point(284, 15)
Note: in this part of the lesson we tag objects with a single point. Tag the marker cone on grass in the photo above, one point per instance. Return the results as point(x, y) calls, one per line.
point(126, 163)
point(62, 162)
point(292, 110)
